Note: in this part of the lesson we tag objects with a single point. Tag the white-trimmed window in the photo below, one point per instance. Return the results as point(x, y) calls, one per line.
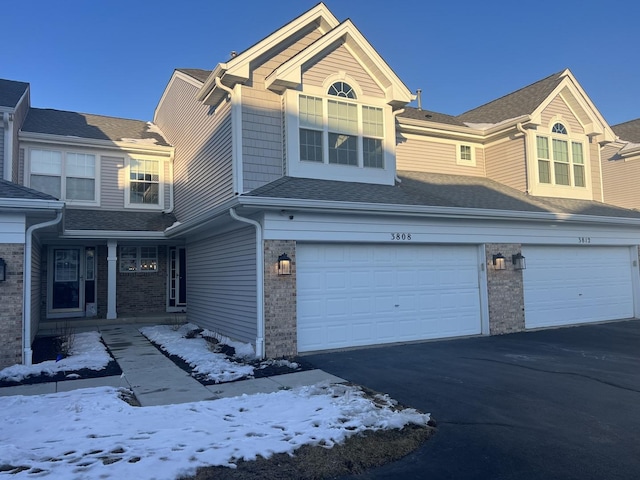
point(340, 131)
point(138, 259)
point(144, 183)
point(69, 176)
point(466, 155)
point(560, 159)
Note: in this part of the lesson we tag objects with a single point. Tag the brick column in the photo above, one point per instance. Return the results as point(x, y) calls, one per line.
point(280, 322)
point(505, 291)
point(11, 304)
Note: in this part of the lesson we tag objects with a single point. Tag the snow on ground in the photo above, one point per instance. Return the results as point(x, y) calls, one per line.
point(92, 433)
point(196, 352)
point(87, 352)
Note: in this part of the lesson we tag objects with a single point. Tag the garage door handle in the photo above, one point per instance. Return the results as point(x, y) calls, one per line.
point(397, 305)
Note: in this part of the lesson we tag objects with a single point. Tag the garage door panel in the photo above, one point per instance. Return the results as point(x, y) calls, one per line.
point(411, 292)
point(570, 285)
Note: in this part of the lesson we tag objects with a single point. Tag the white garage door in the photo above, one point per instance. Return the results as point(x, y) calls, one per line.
point(570, 285)
point(351, 295)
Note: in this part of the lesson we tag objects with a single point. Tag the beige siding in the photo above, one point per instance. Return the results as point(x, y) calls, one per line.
point(262, 70)
point(505, 163)
point(620, 179)
point(262, 127)
point(341, 60)
point(2, 151)
point(559, 107)
point(594, 156)
point(36, 267)
point(19, 173)
point(201, 136)
point(112, 182)
point(418, 155)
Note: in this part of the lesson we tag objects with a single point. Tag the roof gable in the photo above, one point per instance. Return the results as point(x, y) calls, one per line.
point(237, 70)
point(289, 74)
point(13, 190)
point(11, 92)
point(628, 131)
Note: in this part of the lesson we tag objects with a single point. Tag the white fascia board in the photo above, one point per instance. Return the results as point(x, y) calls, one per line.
point(30, 204)
point(459, 133)
point(114, 234)
point(200, 220)
point(420, 210)
point(127, 147)
point(210, 83)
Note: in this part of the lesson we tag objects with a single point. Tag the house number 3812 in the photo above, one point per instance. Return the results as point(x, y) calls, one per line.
point(400, 236)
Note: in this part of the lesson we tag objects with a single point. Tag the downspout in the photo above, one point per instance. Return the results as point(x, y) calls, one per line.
point(171, 203)
point(259, 279)
point(26, 288)
point(526, 158)
point(7, 120)
point(395, 114)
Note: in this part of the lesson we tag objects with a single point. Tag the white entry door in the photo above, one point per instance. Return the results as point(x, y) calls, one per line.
point(354, 295)
point(572, 285)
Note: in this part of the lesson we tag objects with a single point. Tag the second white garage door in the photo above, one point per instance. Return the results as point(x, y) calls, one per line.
point(354, 295)
point(572, 285)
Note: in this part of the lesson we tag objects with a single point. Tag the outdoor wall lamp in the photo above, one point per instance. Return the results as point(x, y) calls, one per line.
point(499, 262)
point(284, 265)
point(3, 270)
point(519, 261)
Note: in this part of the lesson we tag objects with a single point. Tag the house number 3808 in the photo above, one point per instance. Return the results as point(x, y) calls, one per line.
point(400, 236)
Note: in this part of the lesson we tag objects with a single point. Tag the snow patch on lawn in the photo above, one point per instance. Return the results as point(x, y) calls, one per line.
point(87, 352)
point(92, 433)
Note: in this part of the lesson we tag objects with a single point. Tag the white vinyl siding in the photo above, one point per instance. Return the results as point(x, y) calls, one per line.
point(353, 295)
point(572, 285)
point(221, 283)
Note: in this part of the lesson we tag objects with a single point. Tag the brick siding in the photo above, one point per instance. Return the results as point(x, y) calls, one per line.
point(505, 290)
point(281, 334)
point(11, 302)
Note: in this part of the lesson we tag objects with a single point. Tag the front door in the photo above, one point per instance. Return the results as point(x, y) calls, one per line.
point(177, 277)
point(66, 295)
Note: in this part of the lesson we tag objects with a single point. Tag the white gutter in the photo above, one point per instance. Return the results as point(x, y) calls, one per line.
point(260, 279)
point(113, 234)
point(7, 120)
point(26, 288)
point(30, 204)
point(418, 210)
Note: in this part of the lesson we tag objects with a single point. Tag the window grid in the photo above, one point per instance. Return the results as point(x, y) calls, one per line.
point(144, 182)
point(567, 158)
point(65, 175)
point(138, 259)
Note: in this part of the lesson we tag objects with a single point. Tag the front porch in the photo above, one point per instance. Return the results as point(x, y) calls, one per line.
point(54, 326)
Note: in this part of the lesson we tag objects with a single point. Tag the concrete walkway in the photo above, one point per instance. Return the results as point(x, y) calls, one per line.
point(156, 380)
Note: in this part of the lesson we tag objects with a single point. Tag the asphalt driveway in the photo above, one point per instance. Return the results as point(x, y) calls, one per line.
point(553, 404)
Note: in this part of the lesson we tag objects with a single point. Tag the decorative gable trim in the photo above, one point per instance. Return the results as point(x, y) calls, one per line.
point(237, 70)
point(582, 107)
point(289, 74)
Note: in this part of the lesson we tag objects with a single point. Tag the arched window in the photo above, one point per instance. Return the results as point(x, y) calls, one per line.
point(561, 161)
point(342, 89)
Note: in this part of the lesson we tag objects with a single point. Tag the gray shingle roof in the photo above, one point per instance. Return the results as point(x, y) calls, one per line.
point(198, 74)
point(13, 190)
point(84, 125)
point(515, 104)
point(628, 131)
point(117, 220)
point(436, 190)
point(11, 92)
point(429, 116)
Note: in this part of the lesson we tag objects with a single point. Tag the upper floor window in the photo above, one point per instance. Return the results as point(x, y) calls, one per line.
point(560, 159)
point(466, 155)
point(144, 188)
point(67, 176)
point(341, 132)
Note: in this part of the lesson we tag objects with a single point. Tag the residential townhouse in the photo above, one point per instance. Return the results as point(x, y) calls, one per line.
point(291, 198)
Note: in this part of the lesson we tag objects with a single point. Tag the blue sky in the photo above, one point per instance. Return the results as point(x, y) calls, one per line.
point(115, 57)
